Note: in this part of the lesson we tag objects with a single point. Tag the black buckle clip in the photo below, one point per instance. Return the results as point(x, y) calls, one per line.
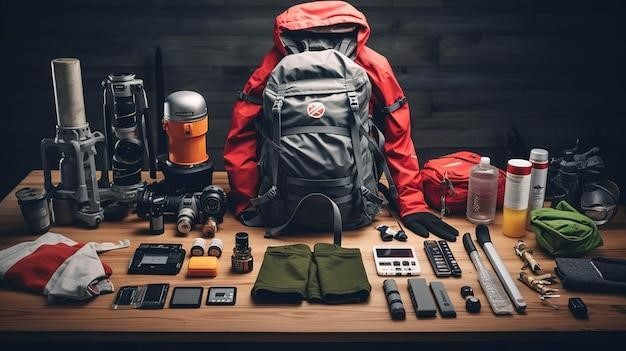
point(272, 192)
point(354, 102)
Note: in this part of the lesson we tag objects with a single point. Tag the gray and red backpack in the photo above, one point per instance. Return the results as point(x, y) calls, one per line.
point(316, 150)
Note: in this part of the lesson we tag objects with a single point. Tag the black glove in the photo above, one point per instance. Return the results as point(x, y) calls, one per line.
point(423, 222)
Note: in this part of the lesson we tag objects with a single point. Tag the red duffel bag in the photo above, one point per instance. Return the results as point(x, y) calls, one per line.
point(447, 178)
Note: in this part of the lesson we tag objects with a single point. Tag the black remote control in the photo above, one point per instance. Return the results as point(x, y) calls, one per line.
point(436, 258)
point(452, 263)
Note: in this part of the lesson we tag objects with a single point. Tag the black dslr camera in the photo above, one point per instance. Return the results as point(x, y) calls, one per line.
point(206, 207)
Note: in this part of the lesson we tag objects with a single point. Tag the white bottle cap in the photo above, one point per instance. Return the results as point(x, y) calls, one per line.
point(538, 155)
point(484, 162)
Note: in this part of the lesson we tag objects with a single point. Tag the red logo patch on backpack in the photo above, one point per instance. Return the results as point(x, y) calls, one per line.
point(316, 109)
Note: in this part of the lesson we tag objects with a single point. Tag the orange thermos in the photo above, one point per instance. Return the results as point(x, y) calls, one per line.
point(186, 123)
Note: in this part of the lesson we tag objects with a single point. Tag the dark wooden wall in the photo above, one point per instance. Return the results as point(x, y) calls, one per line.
point(471, 69)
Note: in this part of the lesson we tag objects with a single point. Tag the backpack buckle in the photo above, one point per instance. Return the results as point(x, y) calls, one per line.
point(278, 105)
point(272, 192)
point(368, 194)
point(354, 101)
point(269, 195)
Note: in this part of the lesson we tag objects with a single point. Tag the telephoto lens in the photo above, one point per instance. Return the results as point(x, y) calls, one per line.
point(396, 308)
point(124, 108)
point(124, 115)
point(242, 261)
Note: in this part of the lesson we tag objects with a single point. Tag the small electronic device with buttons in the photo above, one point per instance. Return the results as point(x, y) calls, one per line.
point(441, 258)
point(392, 260)
point(221, 296)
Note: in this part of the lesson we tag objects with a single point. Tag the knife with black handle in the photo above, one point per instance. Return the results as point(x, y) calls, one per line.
point(484, 239)
point(498, 300)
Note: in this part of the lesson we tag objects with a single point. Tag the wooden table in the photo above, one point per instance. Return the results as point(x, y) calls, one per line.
point(24, 316)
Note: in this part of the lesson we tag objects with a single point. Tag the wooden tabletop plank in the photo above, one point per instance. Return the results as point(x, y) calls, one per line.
point(22, 314)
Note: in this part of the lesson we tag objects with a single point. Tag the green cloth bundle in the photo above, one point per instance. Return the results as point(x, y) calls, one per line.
point(563, 231)
point(331, 274)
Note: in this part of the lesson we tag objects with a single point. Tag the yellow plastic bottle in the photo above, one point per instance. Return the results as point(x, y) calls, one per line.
point(516, 193)
point(514, 222)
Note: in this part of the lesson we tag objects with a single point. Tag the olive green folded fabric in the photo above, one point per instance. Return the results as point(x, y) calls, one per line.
point(284, 274)
point(342, 277)
point(331, 274)
point(563, 231)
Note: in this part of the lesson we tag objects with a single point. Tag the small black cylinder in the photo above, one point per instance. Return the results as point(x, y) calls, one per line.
point(396, 308)
point(156, 225)
point(242, 260)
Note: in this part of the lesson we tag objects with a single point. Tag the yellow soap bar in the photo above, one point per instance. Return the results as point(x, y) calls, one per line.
point(202, 266)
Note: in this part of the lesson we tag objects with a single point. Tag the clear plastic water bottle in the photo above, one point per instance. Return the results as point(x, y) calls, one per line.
point(482, 192)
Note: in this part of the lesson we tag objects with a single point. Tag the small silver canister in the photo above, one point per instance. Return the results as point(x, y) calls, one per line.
point(35, 209)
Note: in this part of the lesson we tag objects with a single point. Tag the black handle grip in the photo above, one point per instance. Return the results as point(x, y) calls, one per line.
point(482, 234)
point(468, 244)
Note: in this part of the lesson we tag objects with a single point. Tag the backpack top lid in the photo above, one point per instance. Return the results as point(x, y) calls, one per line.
point(334, 19)
point(303, 74)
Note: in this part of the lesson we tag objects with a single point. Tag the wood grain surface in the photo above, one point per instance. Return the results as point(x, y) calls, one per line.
point(24, 315)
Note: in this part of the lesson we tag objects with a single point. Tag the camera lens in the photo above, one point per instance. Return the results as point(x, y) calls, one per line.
point(121, 77)
point(125, 174)
point(144, 201)
point(184, 225)
point(124, 110)
point(213, 201)
point(241, 240)
point(213, 205)
point(129, 151)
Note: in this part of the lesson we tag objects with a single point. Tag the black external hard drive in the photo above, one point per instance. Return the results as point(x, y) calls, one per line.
point(421, 298)
point(446, 308)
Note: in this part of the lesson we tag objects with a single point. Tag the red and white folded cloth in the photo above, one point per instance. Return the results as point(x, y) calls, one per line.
point(58, 267)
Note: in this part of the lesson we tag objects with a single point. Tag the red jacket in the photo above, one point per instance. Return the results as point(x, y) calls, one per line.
point(240, 157)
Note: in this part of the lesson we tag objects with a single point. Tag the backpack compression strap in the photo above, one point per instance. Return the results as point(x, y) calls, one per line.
point(355, 132)
point(249, 98)
point(272, 193)
point(393, 107)
point(378, 151)
point(378, 148)
point(337, 225)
